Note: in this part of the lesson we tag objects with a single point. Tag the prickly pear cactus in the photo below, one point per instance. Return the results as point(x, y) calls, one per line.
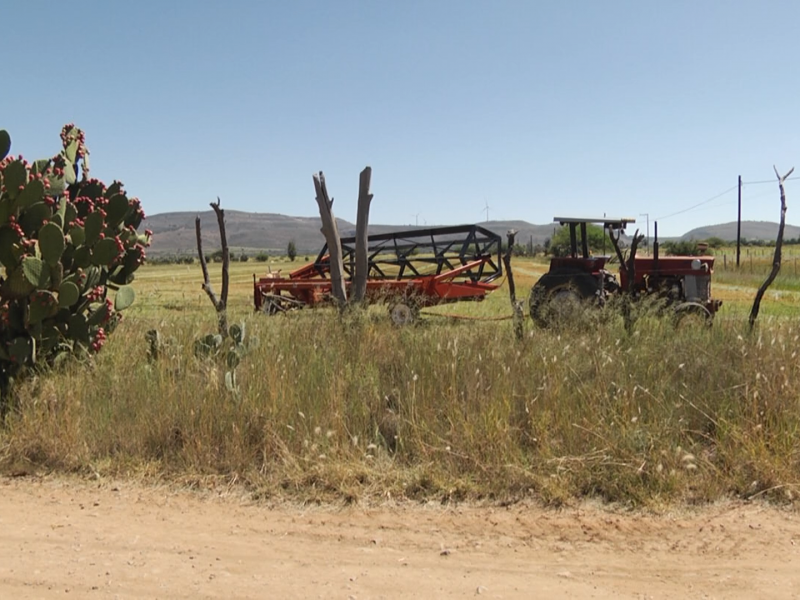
point(231, 349)
point(69, 248)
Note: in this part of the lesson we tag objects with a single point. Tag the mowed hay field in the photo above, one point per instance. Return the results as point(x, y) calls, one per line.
point(355, 409)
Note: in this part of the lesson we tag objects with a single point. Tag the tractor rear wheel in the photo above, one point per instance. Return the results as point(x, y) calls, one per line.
point(561, 298)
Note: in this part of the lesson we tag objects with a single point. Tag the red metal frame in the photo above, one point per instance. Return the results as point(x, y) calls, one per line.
point(664, 266)
point(305, 286)
point(463, 263)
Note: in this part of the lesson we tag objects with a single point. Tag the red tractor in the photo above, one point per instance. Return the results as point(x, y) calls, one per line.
point(580, 279)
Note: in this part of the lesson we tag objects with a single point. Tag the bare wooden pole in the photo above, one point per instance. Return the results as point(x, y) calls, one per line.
point(630, 269)
point(630, 266)
point(226, 256)
point(359, 289)
point(776, 261)
point(331, 233)
point(739, 226)
point(516, 306)
point(206, 282)
point(220, 303)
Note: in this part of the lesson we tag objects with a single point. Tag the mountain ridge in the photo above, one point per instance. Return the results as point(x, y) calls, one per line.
point(174, 232)
point(751, 230)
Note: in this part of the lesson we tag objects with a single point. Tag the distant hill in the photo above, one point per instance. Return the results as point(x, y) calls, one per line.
point(174, 233)
point(751, 230)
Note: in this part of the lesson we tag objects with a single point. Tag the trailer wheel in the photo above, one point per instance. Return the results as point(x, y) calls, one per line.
point(275, 304)
point(270, 306)
point(692, 315)
point(559, 298)
point(403, 314)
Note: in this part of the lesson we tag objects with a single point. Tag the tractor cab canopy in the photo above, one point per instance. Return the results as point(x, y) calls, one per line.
point(605, 222)
point(575, 222)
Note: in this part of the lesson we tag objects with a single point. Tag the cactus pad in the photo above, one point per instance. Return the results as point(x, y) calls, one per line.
point(104, 252)
point(77, 235)
point(124, 297)
point(93, 227)
point(14, 176)
point(237, 333)
point(233, 359)
point(68, 294)
point(5, 143)
point(8, 243)
point(34, 217)
point(17, 285)
point(33, 193)
point(36, 272)
point(43, 304)
point(51, 243)
point(91, 278)
point(230, 382)
point(81, 257)
point(117, 209)
point(78, 328)
point(99, 316)
point(21, 350)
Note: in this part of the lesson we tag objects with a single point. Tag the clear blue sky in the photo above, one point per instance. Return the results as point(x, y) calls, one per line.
point(536, 108)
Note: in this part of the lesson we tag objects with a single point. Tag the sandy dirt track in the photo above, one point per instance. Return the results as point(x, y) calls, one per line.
point(68, 539)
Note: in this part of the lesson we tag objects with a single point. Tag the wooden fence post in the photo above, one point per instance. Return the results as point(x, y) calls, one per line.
point(519, 327)
point(776, 261)
point(220, 303)
point(331, 233)
point(359, 289)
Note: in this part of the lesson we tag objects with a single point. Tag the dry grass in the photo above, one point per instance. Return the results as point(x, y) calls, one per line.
point(357, 409)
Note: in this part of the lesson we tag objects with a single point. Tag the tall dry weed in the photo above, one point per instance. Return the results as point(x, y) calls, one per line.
point(354, 408)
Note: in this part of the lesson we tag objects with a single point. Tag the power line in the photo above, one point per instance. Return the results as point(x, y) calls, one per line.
point(720, 205)
point(767, 181)
point(730, 189)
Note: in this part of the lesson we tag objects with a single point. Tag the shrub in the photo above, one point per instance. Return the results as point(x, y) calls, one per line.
point(681, 248)
point(559, 245)
point(717, 242)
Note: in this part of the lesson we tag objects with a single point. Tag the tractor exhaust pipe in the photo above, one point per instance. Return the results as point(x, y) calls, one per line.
point(655, 246)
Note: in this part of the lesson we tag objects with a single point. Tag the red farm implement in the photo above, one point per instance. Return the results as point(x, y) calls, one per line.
point(682, 284)
point(409, 270)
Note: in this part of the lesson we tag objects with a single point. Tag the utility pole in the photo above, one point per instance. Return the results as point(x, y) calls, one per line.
point(739, 225)
point(647, 242)
point(604, 237)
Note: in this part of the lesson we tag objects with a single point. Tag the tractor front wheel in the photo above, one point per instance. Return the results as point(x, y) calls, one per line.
point(692, 314)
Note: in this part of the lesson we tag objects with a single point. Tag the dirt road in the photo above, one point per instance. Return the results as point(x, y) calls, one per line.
point(67, 539)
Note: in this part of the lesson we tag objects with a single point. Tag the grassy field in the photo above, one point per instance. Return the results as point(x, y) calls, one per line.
point(354, 409)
